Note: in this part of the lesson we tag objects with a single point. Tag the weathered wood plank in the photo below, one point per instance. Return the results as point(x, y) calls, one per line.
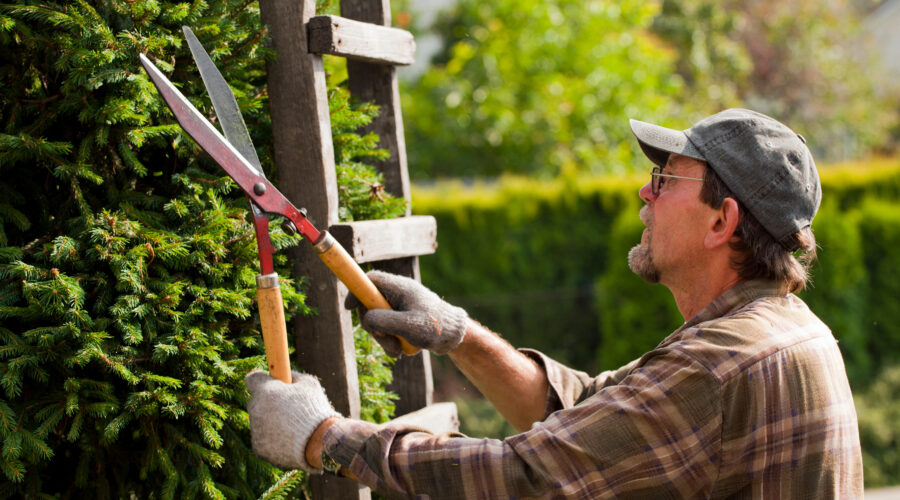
point(374, 240)
point(368, 11)
point(306, 174)
point(439, 418)
point(378, 83)
point(327, 487)
point(304, 154)
point(361, 41)
point(412, 383)
point(305, 158)
point(301, 124)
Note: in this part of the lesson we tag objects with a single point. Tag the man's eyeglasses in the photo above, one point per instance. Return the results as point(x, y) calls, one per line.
point(659, 178)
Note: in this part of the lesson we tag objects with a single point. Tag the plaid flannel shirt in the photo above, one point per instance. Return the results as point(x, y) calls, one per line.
point(749, 399)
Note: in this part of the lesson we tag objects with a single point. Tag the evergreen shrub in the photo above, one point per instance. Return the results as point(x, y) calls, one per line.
point(127, 263)
point(522, 255)
point(840, 284)
point(878, 409)
point(880, 232)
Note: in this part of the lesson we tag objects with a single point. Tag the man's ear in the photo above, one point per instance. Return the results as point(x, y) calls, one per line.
point(724, 224)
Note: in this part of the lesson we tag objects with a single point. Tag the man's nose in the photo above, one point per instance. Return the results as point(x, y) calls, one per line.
point(646, 192)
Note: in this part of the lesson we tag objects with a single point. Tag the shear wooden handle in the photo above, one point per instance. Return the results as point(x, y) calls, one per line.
point(348, 271)
point(274, 331)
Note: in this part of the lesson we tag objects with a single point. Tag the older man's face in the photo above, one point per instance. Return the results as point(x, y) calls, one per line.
point(675, 220)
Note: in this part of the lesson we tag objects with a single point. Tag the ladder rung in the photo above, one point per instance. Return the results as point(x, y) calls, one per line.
point(384, 239)
point(362, 41)
point(439, 418)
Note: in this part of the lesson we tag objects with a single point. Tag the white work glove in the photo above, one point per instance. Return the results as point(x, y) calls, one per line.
point(419, 316)
point(284, 416)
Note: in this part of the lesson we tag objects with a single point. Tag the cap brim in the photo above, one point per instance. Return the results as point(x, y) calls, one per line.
point(659, 142)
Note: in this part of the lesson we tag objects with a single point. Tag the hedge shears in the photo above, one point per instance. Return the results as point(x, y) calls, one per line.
point(236, 155)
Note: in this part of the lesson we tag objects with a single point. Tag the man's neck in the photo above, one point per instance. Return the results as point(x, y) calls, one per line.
point(694, 294)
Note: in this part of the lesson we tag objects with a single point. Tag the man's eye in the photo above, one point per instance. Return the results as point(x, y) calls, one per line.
point(662, 181)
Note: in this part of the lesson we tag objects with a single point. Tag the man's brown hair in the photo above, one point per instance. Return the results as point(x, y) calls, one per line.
point(761, 256)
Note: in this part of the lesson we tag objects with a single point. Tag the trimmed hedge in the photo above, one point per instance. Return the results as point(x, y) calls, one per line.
point(522, 255)
point(879, 429)
point(544, 264)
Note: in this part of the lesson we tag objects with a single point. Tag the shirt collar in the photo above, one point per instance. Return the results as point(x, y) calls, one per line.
point(732, 300)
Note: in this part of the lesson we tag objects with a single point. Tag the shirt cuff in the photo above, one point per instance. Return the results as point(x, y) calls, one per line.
point(364, 449)
point(345, 438)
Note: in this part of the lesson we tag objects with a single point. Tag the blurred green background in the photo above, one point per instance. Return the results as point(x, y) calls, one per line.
point(547, 87)
point(518, 140)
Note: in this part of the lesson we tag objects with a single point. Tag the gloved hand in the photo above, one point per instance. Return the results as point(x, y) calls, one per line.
point(284, 416)
point(419, 316)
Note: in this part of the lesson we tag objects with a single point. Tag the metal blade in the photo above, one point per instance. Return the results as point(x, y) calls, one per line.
point(232, 123)
point(227, 110)
point(260, 190)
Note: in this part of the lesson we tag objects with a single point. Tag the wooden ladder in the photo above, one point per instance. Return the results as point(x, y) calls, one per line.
point(304, 157)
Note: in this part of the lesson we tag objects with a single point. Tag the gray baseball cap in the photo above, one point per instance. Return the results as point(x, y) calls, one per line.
point(764, 163)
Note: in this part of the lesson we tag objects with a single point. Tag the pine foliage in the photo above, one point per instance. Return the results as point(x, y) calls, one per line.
point(127, 263)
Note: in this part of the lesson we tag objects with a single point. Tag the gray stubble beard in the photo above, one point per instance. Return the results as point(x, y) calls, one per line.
point(641, 263)
point(639, 258)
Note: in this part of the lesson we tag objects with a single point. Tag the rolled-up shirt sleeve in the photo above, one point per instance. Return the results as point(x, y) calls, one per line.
point(655, 432)
point(568, 386)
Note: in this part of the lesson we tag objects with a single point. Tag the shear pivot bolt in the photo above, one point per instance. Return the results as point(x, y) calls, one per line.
point(289, 228)
point(259, 189)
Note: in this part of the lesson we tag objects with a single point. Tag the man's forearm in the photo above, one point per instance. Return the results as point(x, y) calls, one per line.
point(514, 383)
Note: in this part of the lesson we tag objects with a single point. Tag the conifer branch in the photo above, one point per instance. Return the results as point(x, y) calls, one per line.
point(40, 102)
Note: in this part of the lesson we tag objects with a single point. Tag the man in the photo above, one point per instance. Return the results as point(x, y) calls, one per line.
point(748, 399)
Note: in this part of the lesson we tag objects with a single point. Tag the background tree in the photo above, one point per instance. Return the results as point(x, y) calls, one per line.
point(537, 87)
point(127, 263)
point(806, 62)
point(542, 88)
point(709, 59)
